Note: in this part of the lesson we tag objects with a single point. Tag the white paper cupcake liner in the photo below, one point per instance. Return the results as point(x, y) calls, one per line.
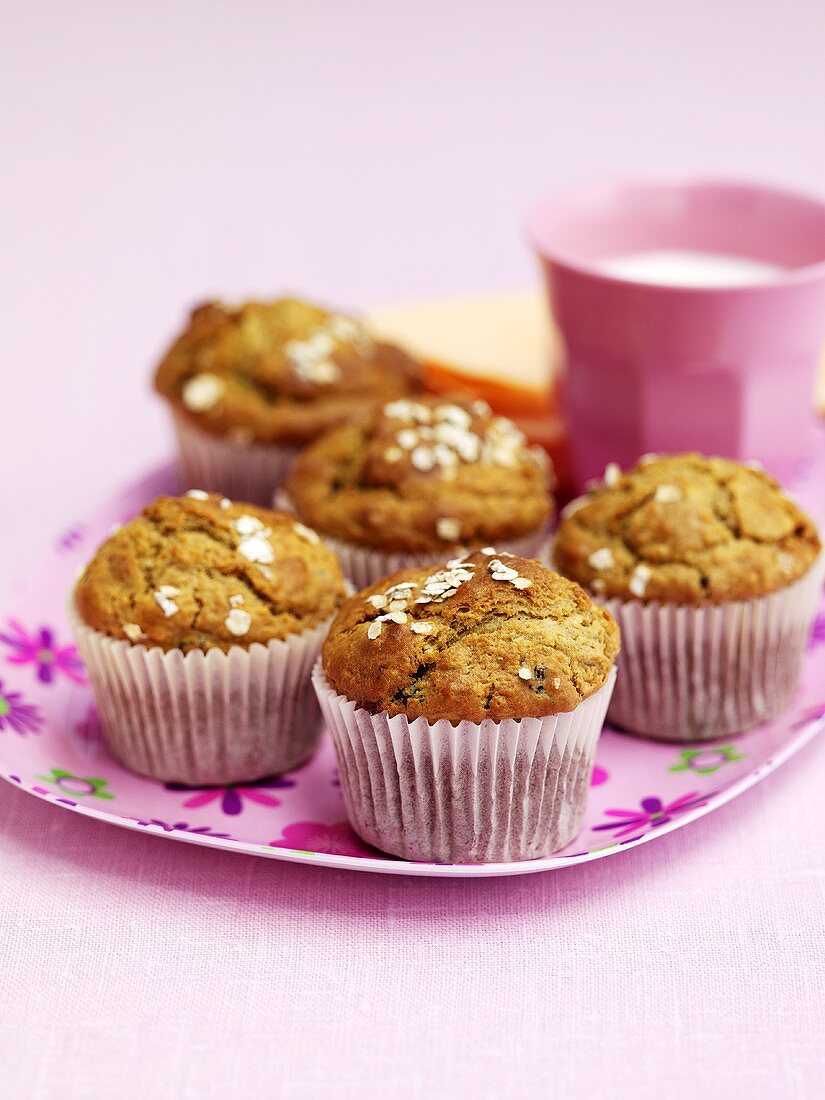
point(363, 565)
point(205, 717)
point(696, 674)
point(466, 793)
point(242, 471)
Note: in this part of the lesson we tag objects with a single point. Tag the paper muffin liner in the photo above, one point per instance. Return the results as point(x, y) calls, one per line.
point(241, 471)
point(205, 717)
point(363, 565)
point(486, 792)
point(696, 674)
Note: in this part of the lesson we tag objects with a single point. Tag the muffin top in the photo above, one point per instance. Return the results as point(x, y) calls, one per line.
point(278, 372)
point(423, 474)
point(486, 636)
point(202, 572)
point(685, 529)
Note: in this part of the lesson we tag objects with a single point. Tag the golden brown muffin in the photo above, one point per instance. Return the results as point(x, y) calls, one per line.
point(420, 475)
point(487, 636)
point(278, 372)
point(683, 529)
point(202, 572)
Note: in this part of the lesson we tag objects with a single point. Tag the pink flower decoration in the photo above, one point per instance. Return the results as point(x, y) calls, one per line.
point(600, 775)
point(232, 798)
point(42, 650)
point(87, 729)
point(17, 714)
point(337, 839)
point(652, 812)
point(810, 714)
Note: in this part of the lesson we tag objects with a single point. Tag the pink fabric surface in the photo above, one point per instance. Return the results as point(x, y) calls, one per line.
point(363, 152)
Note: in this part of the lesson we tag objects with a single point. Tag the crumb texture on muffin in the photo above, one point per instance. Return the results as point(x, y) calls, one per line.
point(486, 636)
point(687, 530)
point(423, 474)
point(203, 572)
point(278, 372)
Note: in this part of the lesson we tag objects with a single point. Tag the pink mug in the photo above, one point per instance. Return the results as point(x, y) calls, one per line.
point(726, 370)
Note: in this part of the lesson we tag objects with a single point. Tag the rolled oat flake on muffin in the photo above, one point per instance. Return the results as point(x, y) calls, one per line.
point(466, 718)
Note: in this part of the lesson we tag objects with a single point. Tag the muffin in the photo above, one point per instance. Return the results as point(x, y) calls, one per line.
point(199, 623)
point(417, 481)
point(248, 385)
point(713, 574)
point(465, 704)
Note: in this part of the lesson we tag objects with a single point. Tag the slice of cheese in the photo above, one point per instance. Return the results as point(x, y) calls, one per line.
point(504, 338)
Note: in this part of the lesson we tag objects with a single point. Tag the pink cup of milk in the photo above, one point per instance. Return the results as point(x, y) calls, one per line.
point(693, 316)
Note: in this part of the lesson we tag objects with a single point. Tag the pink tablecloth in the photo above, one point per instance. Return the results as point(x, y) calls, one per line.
point(157, 152)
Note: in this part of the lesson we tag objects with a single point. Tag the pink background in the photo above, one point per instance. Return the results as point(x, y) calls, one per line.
point(157, 152)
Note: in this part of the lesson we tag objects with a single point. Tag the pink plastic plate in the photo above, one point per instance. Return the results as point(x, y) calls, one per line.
point(50, 746)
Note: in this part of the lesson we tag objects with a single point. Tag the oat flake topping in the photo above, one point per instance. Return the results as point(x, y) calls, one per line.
point(443, 437)
point(396, 599)
point(602, 559)
point(448, 528)
point(501, 572)
point(254, 544)
point(639, 580)
point(238, 622)
point(310, 359)
point(248, 525)
point(667, 494)
point(574, 506)
point(165, 599)
point(257, 549)
point(787, 563)
point(612, 473)
point(202, 391)
point(306, 533)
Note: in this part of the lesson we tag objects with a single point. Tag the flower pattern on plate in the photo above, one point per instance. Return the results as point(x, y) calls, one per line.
point(18, 715)
point(183, 827)
point(41, 650)
point(707, 761)
point(87, 730)
point(652, 812)
point(81, 786)
point(71, 537)
point(337, 839)
point(810, 714)
point(231, 799)
point(818, 632)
